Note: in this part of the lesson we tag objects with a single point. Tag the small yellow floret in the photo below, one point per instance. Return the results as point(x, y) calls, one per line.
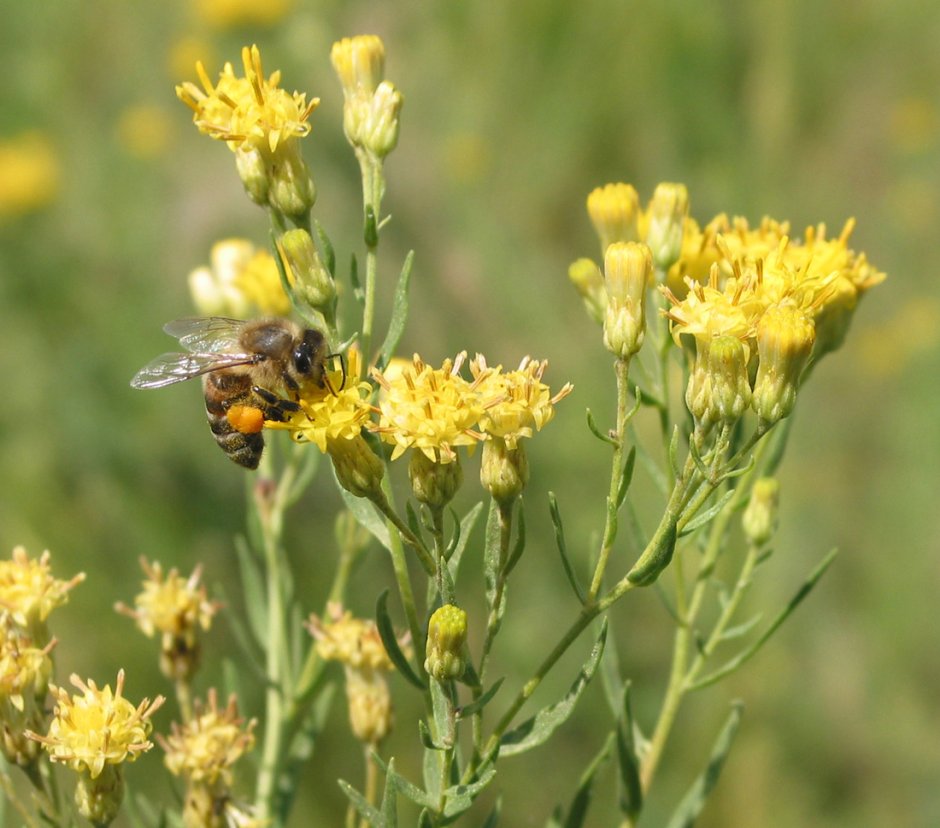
point(28, 592)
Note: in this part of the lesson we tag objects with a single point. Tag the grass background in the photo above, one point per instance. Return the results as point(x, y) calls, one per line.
point(514, 111)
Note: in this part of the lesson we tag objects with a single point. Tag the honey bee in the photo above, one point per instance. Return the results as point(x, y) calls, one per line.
point(247, 368)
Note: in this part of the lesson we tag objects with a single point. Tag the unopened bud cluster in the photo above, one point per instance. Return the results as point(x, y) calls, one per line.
point(628, 268)
point(447, 638)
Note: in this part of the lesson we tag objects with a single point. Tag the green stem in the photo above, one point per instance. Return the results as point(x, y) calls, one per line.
point(622, 368)
point(373, 185)
point(9, 791)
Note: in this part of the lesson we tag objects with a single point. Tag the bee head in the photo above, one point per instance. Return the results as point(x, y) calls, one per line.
point(309, 353)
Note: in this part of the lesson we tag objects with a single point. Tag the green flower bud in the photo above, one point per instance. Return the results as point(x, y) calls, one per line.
point(667, 212)
point(504, 472)
point(614, 209)
point(587, 278)
point(99, 799)
point(292, 189)
point(718, 389)
point(447, 638)
point(760, 517)
point(434, 484)
point(358, 470)
point(312, 281)
point(253, 171)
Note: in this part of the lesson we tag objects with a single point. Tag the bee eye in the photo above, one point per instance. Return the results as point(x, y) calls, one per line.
point(302, 360)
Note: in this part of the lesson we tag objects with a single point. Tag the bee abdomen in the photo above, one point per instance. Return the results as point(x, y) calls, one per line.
point(244, 449)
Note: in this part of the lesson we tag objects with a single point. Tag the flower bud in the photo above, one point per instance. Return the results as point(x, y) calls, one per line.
point(379, 130)
point(434, 484)
point(292, 189)
point(359, 62)
point(99, 799)
point(718, 389)
point(760, 517)
point(253, 171)
point(785, 337)
point(627, 270)
point(613, 210)
point(667, 212)
point(504, 471)
point(312, 281)
point(587, 278)
point(447, 637)
point(370, 705)
point(358, 470)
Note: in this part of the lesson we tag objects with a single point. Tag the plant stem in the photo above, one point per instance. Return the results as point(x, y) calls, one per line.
point(622, 368)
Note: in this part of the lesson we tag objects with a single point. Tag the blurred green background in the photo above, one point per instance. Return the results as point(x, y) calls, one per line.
point(514, 111)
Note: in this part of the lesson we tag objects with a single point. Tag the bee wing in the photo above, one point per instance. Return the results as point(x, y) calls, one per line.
point(168, 369)
point(206, 334)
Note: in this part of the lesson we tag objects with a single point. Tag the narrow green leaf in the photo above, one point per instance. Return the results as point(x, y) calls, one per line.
point(366, 811)
point(611, 680)
point(459, 798)
point(329, 254)
point(358, 292)
point(412, 519)
point(631, 789)
point(493, 819)
point(491, 550)
point(626, 477)
point(554, 821)
point(519, 546)
point(780, 438)
point(390, 800)
point(425, 820)
point(740, 630)
point(427, 738)
point(747, 654)
point(577, 811)
point(694, 801)
point(462, 539)
point(605, 438)
point(390, 642)
point(249, 645)
point(563, 547)
point(402, 785)
point(443, 712)
point(542, 725)
point(396, 325)
point(478, 704)
point(655, 558)
point(367, 516)
point(709, 514)
point(370, 229)
point(253, 581)
point(674, 452)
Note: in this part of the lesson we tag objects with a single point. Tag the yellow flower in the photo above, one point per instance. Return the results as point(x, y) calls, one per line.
point(205, 748)
point(353, 641)
point(24, 681)
point(29, 173)
point(241, 281)
point(335, 412)
point(28, 592)
point(613, 210)
point(248, 112)
point(97, 727)
point(517, 403)
point(433, 410)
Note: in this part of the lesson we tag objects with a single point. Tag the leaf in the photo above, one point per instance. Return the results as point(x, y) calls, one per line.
point(366, 811)
point(694, 801)
point(253, 587)
point(651, 466)
point(329, 254)
point(542, 725)
point(709, 514)
point(631, 789)
point(358, 292)
point(390, 642)
point(626, 476)
point(741, 630)
point(402, 785)
point(366, 515)
point(596, 431)
point(459, 798)
point(611, 681)
point(396, 325)
point(563, 547)
point(491, 555)
point(462, 538)
point(390, 800)
point(519, 546)
point(655, 557)
point(577, 811)
point(747, 654)
point(493, 819)
point(478, 704)
point(443, 711)
point(248, 645)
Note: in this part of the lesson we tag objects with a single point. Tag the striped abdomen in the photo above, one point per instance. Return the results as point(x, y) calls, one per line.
point(222, 390)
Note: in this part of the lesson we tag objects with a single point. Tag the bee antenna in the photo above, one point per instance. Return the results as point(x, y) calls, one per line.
point(342, 362)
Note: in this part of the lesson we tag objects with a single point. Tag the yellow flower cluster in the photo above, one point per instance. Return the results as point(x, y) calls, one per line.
point(248, 112)
point(205, 748)
point(98, 727)
point(353, 641)
point(434, 410)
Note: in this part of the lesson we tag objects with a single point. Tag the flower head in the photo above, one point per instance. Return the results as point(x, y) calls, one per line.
point(205, 748)
point(517, 403)
point(613, 210)
point(447, 638)
point(250, 112)
point(28, 592)
point(24, 682)
point(353, 641)
point(97, 727)
point(433, 410)
point(241, 281)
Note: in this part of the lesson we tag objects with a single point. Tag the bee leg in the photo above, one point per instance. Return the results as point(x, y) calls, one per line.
point(275, 407)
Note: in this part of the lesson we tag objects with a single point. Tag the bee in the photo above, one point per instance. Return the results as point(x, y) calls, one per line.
point(247, 368)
